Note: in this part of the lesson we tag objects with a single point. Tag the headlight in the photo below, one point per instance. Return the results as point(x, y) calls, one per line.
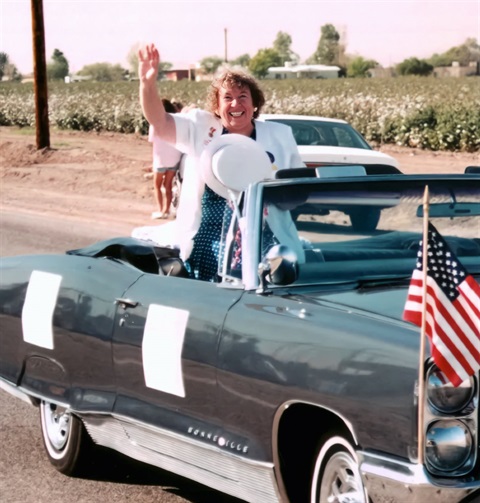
point(448, 445)
point(444, 396)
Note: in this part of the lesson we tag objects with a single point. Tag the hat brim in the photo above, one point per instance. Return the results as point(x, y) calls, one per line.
point(231, 162)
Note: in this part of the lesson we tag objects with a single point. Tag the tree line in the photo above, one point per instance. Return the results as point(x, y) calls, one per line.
point(330, 50)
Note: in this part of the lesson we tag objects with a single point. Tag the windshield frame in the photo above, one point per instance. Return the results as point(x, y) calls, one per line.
point(253, 205)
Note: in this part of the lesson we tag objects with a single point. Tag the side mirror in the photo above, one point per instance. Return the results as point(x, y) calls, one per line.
point(280, 267)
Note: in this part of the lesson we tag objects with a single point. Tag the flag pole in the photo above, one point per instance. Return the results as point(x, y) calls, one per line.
point(421, 366)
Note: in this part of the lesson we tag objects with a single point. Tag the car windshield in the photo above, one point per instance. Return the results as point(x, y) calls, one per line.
point(370, 230)
point(326, 133)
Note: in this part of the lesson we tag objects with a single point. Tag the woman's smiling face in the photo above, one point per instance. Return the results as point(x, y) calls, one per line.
point(235, 108)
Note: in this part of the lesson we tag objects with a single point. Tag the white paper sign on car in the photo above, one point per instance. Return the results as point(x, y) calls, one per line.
point(162, 349)
point(37, 312)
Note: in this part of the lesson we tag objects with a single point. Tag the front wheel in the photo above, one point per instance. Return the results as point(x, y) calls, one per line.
point(336, 477)
point(64, 438)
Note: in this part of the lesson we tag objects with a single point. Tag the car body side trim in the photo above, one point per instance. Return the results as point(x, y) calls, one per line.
point(204, 463)
point(209, 465)
point(247, 479)
point(17, 392)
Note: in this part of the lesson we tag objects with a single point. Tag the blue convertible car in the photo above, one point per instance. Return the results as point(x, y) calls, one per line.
point(292, 379)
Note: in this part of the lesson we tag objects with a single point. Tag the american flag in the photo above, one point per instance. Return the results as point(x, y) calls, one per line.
point(452, 309)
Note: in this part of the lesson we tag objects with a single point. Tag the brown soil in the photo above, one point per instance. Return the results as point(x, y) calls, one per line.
point(106, 176)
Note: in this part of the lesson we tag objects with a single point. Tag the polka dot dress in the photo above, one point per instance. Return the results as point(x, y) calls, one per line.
point(203, 261)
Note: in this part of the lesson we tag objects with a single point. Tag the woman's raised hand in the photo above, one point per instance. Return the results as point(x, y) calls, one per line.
point(148, 63)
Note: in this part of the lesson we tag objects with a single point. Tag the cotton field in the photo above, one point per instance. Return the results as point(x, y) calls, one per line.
point(429, 113)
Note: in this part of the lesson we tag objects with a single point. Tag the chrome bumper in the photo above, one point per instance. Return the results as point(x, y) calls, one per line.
point(385, 477)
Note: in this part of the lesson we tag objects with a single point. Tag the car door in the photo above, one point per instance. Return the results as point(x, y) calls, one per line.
point(165, 346)
point(57, 315)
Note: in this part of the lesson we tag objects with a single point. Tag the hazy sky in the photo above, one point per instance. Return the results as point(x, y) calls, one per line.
point(92, 31)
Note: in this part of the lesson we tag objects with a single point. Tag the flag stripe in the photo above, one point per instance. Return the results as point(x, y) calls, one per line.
point(452, 309)
point(466, 322)
point(444, 364)
point(449, 345)
point(471, 291)
point(452, 335)
point(414, 305)
point(447, 320)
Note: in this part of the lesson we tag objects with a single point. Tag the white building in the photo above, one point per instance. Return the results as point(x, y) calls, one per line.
point(290, 71)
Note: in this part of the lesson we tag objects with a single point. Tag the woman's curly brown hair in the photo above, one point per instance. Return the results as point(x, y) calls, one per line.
point(238, 79)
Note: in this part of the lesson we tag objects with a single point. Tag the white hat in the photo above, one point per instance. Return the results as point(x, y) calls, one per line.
point(232, 162)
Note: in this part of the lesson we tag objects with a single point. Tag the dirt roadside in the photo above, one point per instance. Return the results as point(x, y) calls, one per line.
point(104, 176)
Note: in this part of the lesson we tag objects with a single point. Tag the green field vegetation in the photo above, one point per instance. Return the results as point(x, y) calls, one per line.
point(429, 113)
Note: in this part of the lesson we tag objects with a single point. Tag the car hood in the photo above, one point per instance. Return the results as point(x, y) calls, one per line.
point(386, 302)
point(344, 155)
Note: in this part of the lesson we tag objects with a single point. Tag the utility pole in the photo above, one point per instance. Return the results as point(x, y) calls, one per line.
point(225, 36)
point(40, 76)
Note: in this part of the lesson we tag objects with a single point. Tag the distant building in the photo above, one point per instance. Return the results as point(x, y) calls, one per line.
point(177, 74)
point(77, 78)
point(457, 71)
point(290, 71)
point(380, 72)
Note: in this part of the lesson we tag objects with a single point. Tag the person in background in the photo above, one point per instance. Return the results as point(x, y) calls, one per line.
point(166, 159)
point(178, 106)
point(234, 102)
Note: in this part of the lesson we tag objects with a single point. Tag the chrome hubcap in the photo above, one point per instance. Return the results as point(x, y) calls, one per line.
point(341, 482)
point(57, 425)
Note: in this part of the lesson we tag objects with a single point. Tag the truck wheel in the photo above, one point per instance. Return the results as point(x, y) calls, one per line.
point(64, 437)
point(336, 476)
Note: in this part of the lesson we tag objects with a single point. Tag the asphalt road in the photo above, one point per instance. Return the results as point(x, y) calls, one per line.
point(26, 475)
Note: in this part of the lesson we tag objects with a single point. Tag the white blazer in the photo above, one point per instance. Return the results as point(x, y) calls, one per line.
point(194, 131)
